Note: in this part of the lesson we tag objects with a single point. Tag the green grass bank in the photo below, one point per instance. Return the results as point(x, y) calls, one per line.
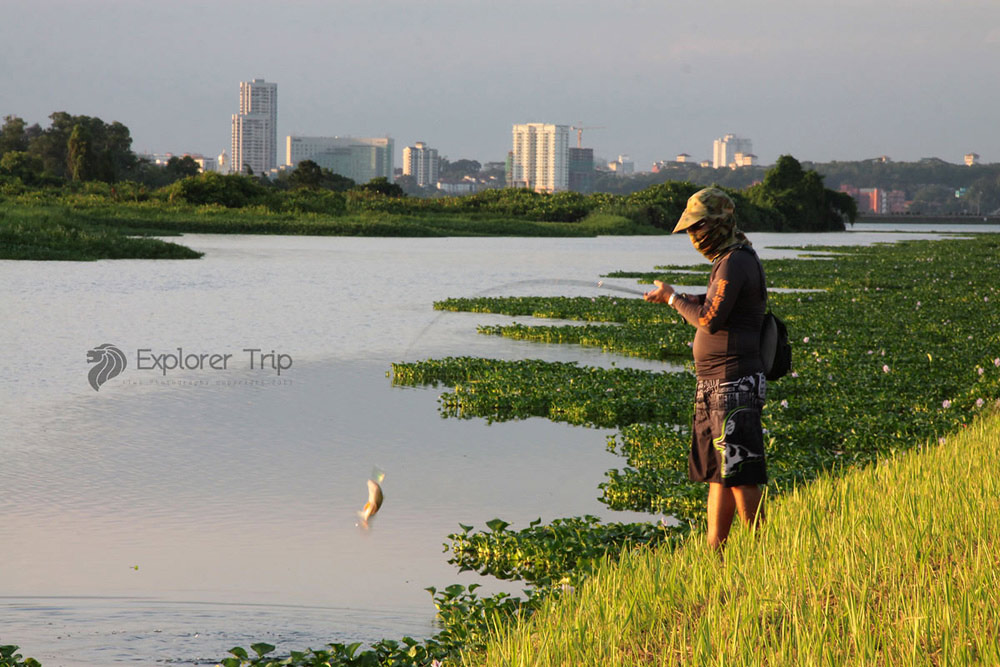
point(56, 234)
point(98, 230)
point(897, 563)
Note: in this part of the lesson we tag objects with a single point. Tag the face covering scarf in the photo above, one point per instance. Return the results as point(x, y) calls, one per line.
point(712, 237)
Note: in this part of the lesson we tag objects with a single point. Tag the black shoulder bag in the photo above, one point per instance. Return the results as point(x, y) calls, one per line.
point(775, 350)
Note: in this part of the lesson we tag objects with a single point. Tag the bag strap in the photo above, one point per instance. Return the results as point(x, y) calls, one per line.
point(760, 269)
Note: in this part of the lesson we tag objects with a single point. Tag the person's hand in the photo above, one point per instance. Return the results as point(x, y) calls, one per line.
point(659, 295)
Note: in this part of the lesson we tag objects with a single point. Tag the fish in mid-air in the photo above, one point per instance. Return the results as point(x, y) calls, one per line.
point(375, 497)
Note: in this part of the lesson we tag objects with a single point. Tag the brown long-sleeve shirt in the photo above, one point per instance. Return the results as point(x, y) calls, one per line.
point(728, 318)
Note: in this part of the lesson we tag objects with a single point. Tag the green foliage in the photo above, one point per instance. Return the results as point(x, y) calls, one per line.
point(382, 186)
point(229, 190)
point(561, 391)
point(459, 168)
point(23, 166)
point(562, 552)
point(9, 657)
point(182, 167)
point(800, 198)
point(466, 621)
point(80, 158)
point(661, 205)
point(46, 235)
point(81, 147)
point(889, 564)
point(859, 390)
point(308, 174)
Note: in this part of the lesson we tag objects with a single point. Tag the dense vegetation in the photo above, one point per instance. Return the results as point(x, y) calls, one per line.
point(45, 233)
point(83, 169)
point(789, 198)
point(932, 186)
point(890, 564)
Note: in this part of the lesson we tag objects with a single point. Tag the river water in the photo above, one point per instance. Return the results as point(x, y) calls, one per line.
point(171, 515)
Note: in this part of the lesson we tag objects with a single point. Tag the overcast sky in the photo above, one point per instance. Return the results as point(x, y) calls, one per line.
point(822, 81)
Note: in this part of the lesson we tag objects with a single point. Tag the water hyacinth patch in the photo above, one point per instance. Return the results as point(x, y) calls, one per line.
point(850, 415)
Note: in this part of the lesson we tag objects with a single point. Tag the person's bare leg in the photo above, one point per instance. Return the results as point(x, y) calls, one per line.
point(721, 509)
point(747, 501)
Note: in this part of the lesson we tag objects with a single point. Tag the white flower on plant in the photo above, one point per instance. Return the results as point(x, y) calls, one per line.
point(979, 402)
point(996, 362)
point(885, 368)
point(806, 339)
point(784, 403)
point(946, 403)
point(794, 374)
point(979, 370)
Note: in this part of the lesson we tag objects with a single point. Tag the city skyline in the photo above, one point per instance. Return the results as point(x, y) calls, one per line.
point(904, 79)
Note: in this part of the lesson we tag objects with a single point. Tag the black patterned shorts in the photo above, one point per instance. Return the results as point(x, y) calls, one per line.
point(727, 442)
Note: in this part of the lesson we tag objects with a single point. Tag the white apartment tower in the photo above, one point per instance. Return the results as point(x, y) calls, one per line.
point(422, 163)
point(540, 159)
point(255, 128)
point(724, 150)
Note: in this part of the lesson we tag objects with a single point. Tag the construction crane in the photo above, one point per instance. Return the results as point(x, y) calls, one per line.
point(579, 132)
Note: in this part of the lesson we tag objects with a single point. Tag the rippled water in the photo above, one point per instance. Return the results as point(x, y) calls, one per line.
point(168, 518)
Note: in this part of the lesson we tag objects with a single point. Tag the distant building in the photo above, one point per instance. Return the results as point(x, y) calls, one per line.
point(422, 163)
point(204, 163)
point(743, 160)
point(581, 170)
point(540, 159)
point(971, 159)
point(360, 159)
point(255, 128)
point(622, 166)
point(459, 186)
point(724, 150)
point(877, 200)
point(681, 159)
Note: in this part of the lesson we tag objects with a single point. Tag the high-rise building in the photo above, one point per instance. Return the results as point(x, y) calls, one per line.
point(581, 170)
point(540, 159)
point(358, 158)
point(255, 128)
point(724, 150)
point(422, 163)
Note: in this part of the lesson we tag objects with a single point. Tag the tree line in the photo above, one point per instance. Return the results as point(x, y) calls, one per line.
point(84, 151)
point(931, 185)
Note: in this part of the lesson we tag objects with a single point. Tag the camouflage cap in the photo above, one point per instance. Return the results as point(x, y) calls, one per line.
point(706, 204)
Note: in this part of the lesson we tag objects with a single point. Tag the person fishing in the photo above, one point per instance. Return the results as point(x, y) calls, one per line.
point(727, 441)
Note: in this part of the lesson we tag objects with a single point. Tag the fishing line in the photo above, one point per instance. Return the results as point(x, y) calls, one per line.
point(529, 281)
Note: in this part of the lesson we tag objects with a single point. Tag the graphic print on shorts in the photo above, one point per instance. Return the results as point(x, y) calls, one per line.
point(734, 455)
